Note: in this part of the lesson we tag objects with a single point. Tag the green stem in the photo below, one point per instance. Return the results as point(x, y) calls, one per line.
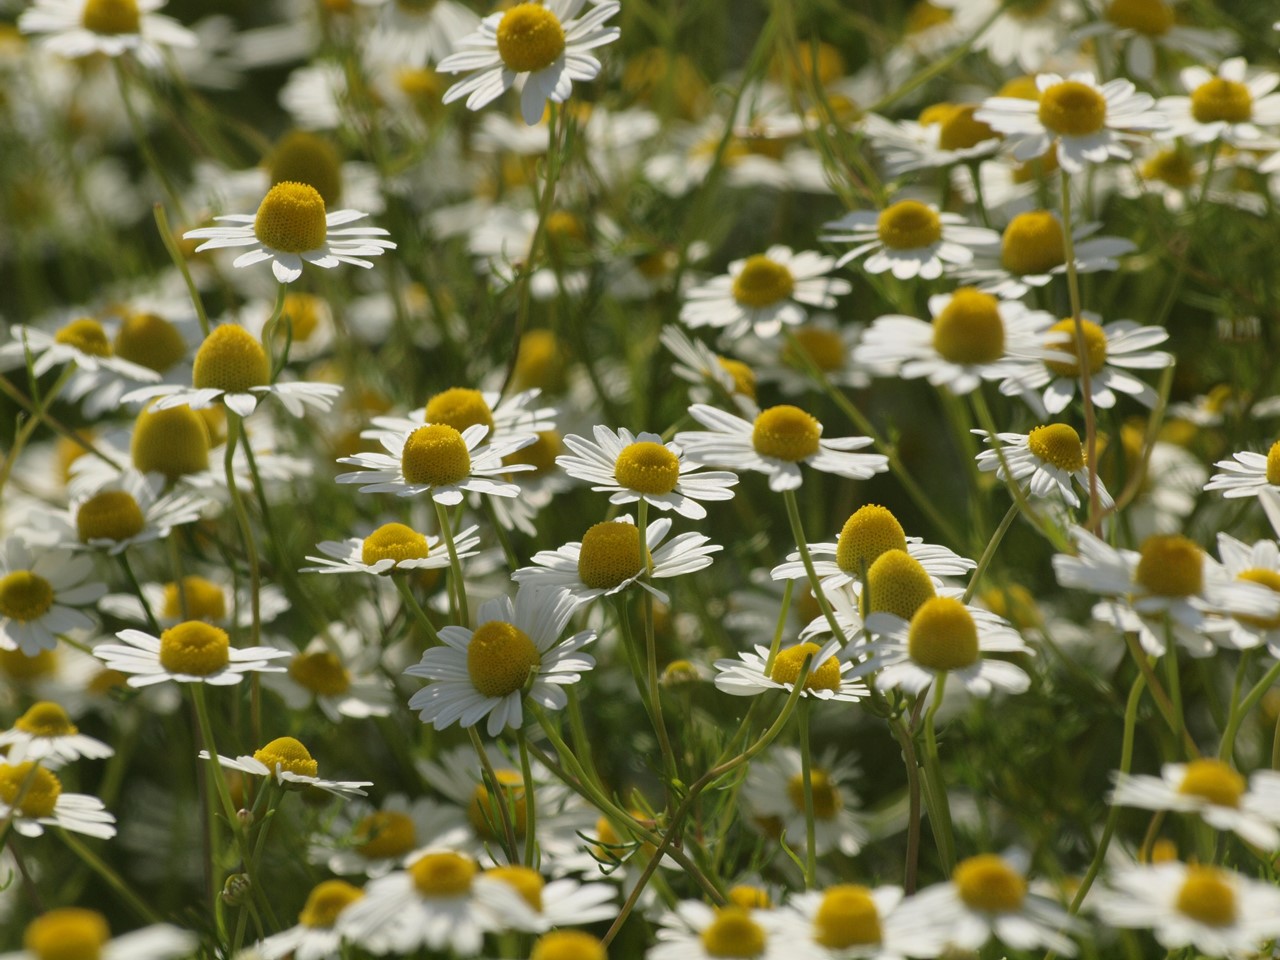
point(406, 594)
point(152, 622)
point(461, 613)
point(1227, 748)
point(651, 650)
point(530, 833)
point(24, 432)
point(806, 776)
point(114, 880)
point(985, 560)
point(912, 866)
point(497, 798)
point(940, 812)
point(797, 530)
point(179, 261)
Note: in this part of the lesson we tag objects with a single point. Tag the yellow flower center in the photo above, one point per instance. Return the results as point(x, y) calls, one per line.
point(303, 312)
point(822, 676)
point(647, 467)
point(393, 541)
point(194, 648)
point(203, 600)
point(526, 882)
point(564, 230)
point(541, 454)
point(68, 933)
point(110, 17)
point(568, 945)
point(1021, 88)
point(530, 38)
point(500, 657)
point(744, 378)
point(896, 584)
point(302, 157)
point(287, 754)
point(326, 901)
point(924, 15)
point(172, 442)
point(385, 834)
point(959, 131)
point(1152, 17)
point(422, 87)
point(1170, 565)
point(1269, 579)
point(1058, 445)
point(1222, 100)
point(321, 672)
point(1173, 167)
point(1207, 896)
point(1273, 464)
point(734, 934)
point(1033, 243)
point(435, 455)
point(110, 515)
point(818, 346)
point(85, 335)
point(847, 917)
point(45, 719)
point(762, 282)
point(943, 635)
point(969, 329)
point(934, 114)
point(826, 795)
point(483, 812)
point(444, 874)
point(611, 553)
point(25, 596)
point(1037, 168)
point(749, 897)
point(987, 883)
point(459, 408)
point(541, 360)
point(1214, 781)
point(1061, 338)
point(1072, 109)
point(150, 341)
point(785, 433)
point(908, 225)
point(33, 790)
point(867, 534)
point(291, 218)
point(18, 666)
point(230, 359)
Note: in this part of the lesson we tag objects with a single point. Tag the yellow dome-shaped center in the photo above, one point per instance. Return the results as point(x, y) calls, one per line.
point(203, 600)
point(908, 225)
point(1021, 88)
point(1207, 896)
point(325, 901)
point(25, 596)
point(1222, 100)
point(541, 360)
point(459, 408)
point(85, 335)
point(647, 467)
point(530, 38)
point(67, 933)
point(1173, 167)
point(1214, 781)
point(172, 442)
point(45, 719)
point(443, 874)
point(847, 917)
point(150, 341)
point(762, 282)
point(435, 455)
point(969, 330)
point(1033, 243)
point(822, 676)
point(195, 648)
point(321, 672)
point(1061, 338)
point(744, 378)
point(393, 541)
point(111, 17)
point(525, 881)
point(1266, 578)
point(1273, 464)
point(924, 15)
point(826, 794)
point(1170, 565)
point(960, 131)
point(611, 554)
point(17, 666)
point(734, 934)
point(1059, 445)
point(987, 883)
point(303, 157)
point(541, 454)
point(37, 787)
point(291, 218)
point(822, 348)
point(110, 515)
point(1072, 109)
point(896, 584)
point(943, 635)
point(568, 945)
point(287, 754)
point(868, 533)
point(385, 834)
point(1152, 17)
point(483, 812)
point(230, 359)
point(786, 433)
point(303, 312)
point(749, 897)
point(500, 657)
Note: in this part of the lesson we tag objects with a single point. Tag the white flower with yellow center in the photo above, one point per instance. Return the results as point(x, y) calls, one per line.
point(829, 677)
point(290, 764)
point(339, 672)
point(1228, 105)
point(544, 46)
point(945, 134)
point(1044, 461)
point(127, 511)
point(80, 28)
point(764, 293)
point(774, 795)
point(908, 238)
point(821, 347)
point(851, 920)
point(776, 443)
point(1024, 32)
point(82, 341)
point(1148, 27)
point(291, 228)
point(1258, 564)
point(560, 903)
point(74, 933)
point(197, 598)
point(511, 417)
point(39, 594)
point(414, 33)
point(1089, 122)
point(644, 468)
point(374, 841)
point(516, 651)
point(31, 796)
point(315, 936)
point(1219, 912)
point(190, 652)
point(1247, 473)
point(46, 734)
point(1218, 794)
point(392, 548)
point(710, 373)
point(696, 931)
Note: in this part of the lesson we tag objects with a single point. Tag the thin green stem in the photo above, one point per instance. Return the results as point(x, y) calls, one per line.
point(530, 831)
point(497, 798)
point(179, 261)
point(1227, 748)
point(797, 530)
point(651, 650)
point(806, 776)
point(24, 432)
point(113, 879)
point(984, 561)
point(152, 622)
point(401, 582)
point(940, 812)
point(462, 614)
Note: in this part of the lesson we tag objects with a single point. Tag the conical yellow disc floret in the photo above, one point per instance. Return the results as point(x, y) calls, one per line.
point(1266, 578)
point(896, 584)
point(943, 635)
point(394, 541)
point(647, 467)
point(969, 329)
point(483, 812)
point(541, 360)
point(526, 882)
point(435, 455)
point(1033, 243)
point(203, 600)
point(150, 341)
point(786, 433)
point(1174, 167)
point(826, 794)
point(500, 657)
point(1214, 781)
point(195, 648)
point(459, 408)
point(67, 933)
point(111, 17)
point(960, 130)
point(230, 359)
point(1057, 444)
point(45, 719)
point(762, 282)
point(1061, 338)
point(302, 311)
point(868, 533)
point(1072, 109)
point(291, 218)
point(287, 754)
point(25, 596)
point(304, 157)
point(1208, 897)
point(847, 917)
point(822, 348)
point(987, 883)
point(86, 335)
point(733, 934)
point(749, 897)
point(744, 378)
point(568, 945)
point(321, 672)
point(822, 676)
point(1170, 565)
point(38, 788)
point(172, 442)
point(1151, 17)
point(1221, 100)
point(908, 225)
point(326, 901)
point(1273, 464)
point(530, 38)
point(384, 834)
point(541, 454)
point(444, 874)
point(110, 515)
point(611, 554)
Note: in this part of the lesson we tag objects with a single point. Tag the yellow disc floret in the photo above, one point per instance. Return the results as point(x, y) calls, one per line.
point(868, 533)
point(1266, 578)
point(326, 901)
point(987, 883)
point(541, 360)
point(762, 282)
point(785, 432)
point(500, 657)
point(435, 455)
point(230, 359)
point(1033, 243)
point(943, 635)
point(291, 218)
point(1072, 109)
point(483, 812)
point(960, 131)
point(1214, 781)
point(384, 834)
point(459, 408)
point(67, 933)
point(734, 934)
point(524, 880)
point(302, 312)
point(1173, 167)
point(45, 719)
point(896, 584)
point(321, 672)
point(611, 554)
point(1207, 896)
point(749, 897)
point(822, 676)
point(530, 38)
point(31, 789)
point(820, 347)
point(1061, 338)
point(198, 599)
point(304, 157)
point(150, 341)
point(393, 541)
point(1273, 464)
point(647, 467)
point(195, 648)
point(1221, 100)
point(443, 874)
point(18, 667)
point(909, 225)
point(286, 753)
point(969, 330)
point(568, 945)
point(1058, 445)
point(1151, 17)
point(85, 335)
point(1170, 565)
point(744, 378)
point(826, 794)
point(25, 596)
point(847, 917)
point(110, 515)
point(172, 442)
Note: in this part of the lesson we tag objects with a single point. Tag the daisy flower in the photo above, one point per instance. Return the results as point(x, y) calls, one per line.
point(509, 418)
point(1259, 564)
point(198, 598)
point(822, 345)
point(709, 372)
point(1247, 473)
point(82, 342)
point(79, 28)
point(827, 680)
point(1213, 790)
point(374, 841)
point(1219, 912)
point(1147, 26)
point(128, 511)
point(1047, 459)
point(946, 135)
point(1026, 33)
point(908, 238)
point(774, 793)
point(545, 46)
point(1227, 105)
point(44, 804)
point(486, 672)
point(437, 459)
point(776, 443)
point(764, 293)
point(292, 766)
point(644, 468)
point(339, 672)
point(696, 931)
point(77, 932)
point(46, 734)
point(560, 903)
point(392, 548)
point(190, 652)
point(851, 920)
point(39, 594)
point(1088, 122)
point(314, 937)
point(290, 228)
point(416, 34)
point(609, 559)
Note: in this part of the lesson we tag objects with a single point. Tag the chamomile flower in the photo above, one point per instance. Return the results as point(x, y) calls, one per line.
point(695, 931)
point(1247, 473)
point(438, 460)
point(291, 765)
point(198, 598)
point(821, 348)
point(128, 511)
point(1213, 790)
point(1045, 461)
point(46, 734)
point(82, 341)
point(610, 558)
point(774, 793)
point(39, 595)
point(776, 443)
point(516, 651)
point(560, 903)
point(709, 372)
point(949, 136)
point(32, 797)
point(512, 417)
point(908, 238)
point(1145, 27)
point(851, 920)
point(338, 672)
point(545, 46)
point(1089, 123)
point(410, 33)
point(190, 652)
point(826, 680)
point(644, 468)
point(291, 228)
point(1219, 912)
point(77, 932)
point(392, 548)
point(1026, 32)
point(79, 28)
point(314, 937)
point(374, 841)
point(1227, 105)
point(764, 293)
